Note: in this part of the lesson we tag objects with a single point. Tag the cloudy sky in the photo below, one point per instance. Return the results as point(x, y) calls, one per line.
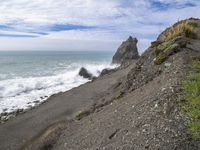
point(87, 24)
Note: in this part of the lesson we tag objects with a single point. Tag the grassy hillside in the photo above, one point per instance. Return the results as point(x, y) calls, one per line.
point(191, 99)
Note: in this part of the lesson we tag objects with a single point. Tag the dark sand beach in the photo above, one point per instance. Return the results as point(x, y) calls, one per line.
point(59, 107)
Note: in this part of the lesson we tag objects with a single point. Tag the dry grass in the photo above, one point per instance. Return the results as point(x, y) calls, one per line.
point(185, 29)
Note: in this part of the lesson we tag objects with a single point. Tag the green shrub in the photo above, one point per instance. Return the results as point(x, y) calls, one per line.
point(189, 33)
point(195, 129)
point(167, 46)
point(164, 50)
point(160, 59)
point(191, 99)
point(193, 24)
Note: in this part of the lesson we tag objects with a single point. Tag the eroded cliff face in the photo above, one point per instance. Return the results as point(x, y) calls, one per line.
point(127, 52)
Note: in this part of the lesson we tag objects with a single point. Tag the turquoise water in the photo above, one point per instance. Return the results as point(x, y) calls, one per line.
point(25, 64)
point(31, 76)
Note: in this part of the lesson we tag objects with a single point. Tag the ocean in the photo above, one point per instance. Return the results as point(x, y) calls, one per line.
point(28, 78)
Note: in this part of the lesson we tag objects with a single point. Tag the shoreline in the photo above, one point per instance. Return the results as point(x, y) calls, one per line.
point(8, 113)
point(6, 116)
point(58, 107)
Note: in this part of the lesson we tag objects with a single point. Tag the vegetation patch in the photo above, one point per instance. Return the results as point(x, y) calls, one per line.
point(167, 46)
point(195, 129)
point(185, 29)
point(120, 95)
point(164, 50)
point(170, 45)
point(83, 114)
point(191, 99)
point(160, 58)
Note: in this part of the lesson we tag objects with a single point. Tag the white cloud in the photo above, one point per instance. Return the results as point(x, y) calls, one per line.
point(115, 20)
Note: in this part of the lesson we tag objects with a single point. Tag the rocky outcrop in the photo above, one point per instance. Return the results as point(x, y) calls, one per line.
point(127, 52)
point(85, 74)
point(106, 71)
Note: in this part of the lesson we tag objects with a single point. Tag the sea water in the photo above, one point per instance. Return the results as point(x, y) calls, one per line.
point(30, 77)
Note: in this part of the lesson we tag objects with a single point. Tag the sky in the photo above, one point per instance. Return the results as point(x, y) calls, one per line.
point(90, 25)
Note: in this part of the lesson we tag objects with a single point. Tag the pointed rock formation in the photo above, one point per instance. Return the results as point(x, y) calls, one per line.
point(126, 52)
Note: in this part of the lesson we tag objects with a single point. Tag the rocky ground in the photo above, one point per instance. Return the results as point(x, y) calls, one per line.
point(136, 107)
point(146, 118)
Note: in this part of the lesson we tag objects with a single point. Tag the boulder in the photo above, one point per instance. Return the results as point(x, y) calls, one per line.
point(85, 74)
point(106, 71)
point(126, 52)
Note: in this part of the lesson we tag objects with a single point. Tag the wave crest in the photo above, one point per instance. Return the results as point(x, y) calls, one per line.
point(21, 93)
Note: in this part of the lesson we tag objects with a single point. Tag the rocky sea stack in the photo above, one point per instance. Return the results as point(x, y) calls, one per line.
point(127, 52)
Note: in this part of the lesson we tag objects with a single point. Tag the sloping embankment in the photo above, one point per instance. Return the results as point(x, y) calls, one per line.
point(143, 112)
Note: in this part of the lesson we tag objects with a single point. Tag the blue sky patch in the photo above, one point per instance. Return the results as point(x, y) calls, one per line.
point(17, 35)
point(41, 30)
point(165, 6)
point(39, 33)
point(63, 27)
point(4, 27)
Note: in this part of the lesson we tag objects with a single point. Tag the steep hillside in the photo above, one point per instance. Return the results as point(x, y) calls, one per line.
point(142, 110)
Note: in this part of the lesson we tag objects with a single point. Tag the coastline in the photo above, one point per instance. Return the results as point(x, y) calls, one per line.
point(135, 107)
point(59, 107)
point(27, 79)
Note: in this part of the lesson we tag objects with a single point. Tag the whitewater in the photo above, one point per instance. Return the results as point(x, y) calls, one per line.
point(29, 78)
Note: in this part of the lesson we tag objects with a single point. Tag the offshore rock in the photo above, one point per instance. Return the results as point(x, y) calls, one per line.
point(85, 74)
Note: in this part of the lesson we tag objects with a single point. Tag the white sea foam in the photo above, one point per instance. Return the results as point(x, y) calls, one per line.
point(22, 93)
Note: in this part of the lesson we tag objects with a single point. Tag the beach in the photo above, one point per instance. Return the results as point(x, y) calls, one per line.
point(59, 107)
point(29, 78)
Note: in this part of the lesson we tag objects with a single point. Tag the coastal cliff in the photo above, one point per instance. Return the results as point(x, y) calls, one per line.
point(144, 105)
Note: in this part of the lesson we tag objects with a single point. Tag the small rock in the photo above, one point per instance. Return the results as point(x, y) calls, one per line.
point(106, 71)
point(19, 111)
point(4, 114)
point(85, 74)
point(163, 89)
point(3, 118)
point(144, 130)
point(36, 102)
point(167, 65)
point(146, 146)
point(156, 105)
